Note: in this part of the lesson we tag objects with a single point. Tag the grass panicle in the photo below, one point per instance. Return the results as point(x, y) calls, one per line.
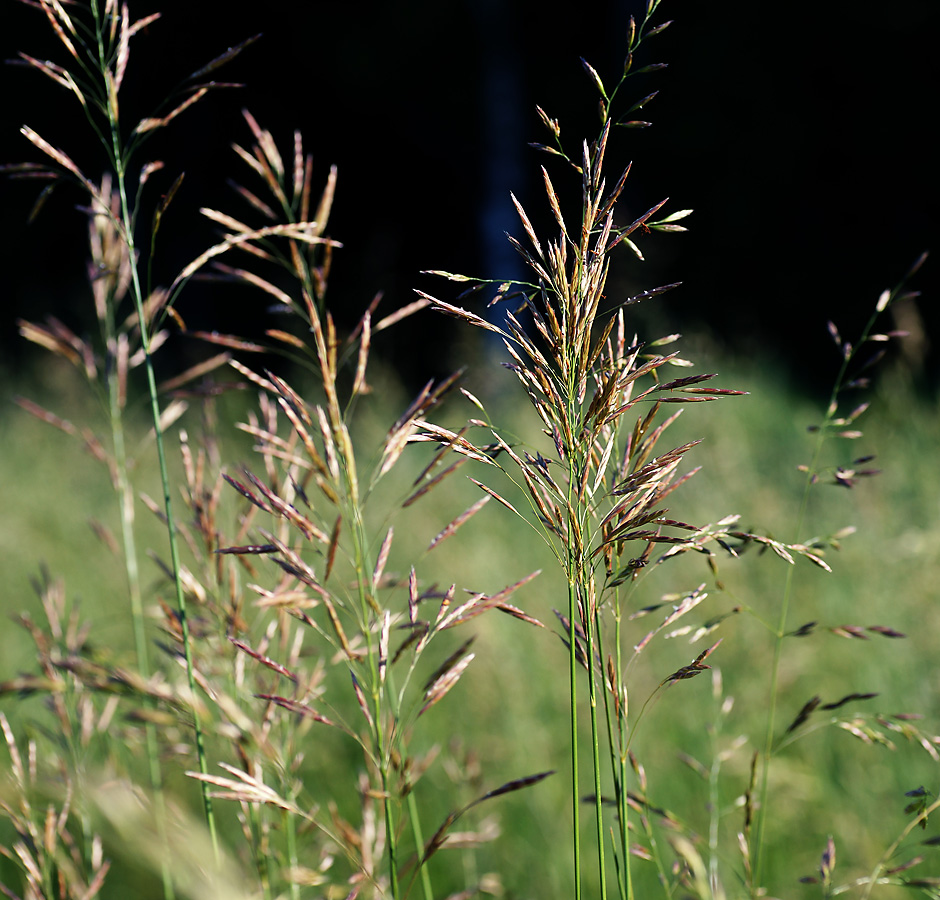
point(585, 379)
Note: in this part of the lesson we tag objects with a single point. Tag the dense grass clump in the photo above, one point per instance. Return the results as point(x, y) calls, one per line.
point(298, 653)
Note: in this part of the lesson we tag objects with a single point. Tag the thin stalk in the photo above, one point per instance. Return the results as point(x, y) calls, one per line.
point(595, 738)
point(624, 810)
point(390, 829)
point(123, 485)
point(573, 683)
point(713, 797)
point(414, 817)
point(582, 568)
point(127, 221)
point(126, 500)
point(664, 879)
point(570, 388)
point(290, 827)
point(379, 748)
point(623, 806)
point(612, 743)
point(920, 819)
point(125, 495)
point(380, 743)
point(48, 875)
point(367, 608)
point(261, 860)
point(822, 434)
point(171, 534)
point(654, 846)
point(618, 759)
point(772, 714)
point(69, 713)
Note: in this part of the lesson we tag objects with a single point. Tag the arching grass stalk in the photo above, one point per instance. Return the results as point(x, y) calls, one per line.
point(833, 425)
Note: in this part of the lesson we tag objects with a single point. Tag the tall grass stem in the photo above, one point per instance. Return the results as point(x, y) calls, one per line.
point(137, 292)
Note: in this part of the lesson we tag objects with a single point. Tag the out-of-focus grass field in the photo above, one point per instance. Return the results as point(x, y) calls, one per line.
point(510, 709)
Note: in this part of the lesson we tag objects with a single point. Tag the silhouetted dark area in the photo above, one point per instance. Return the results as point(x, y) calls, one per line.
point(801, 138)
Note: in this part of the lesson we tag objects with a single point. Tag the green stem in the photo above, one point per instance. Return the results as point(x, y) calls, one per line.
point(416, 832)
point(892, 849)
point(572, 571)
point(847, 356)
point(290, 827)
point(651, 836)
point(125, 494)
point(380, 746)
point(624, 808)
point(261, 860)
point(573, 683)
point(126, 500)
point(390, 828)
point(620, 766)
point(592, 634)
point(625, 734)
point(713, 798)
point(137, 292)
point(174, 551)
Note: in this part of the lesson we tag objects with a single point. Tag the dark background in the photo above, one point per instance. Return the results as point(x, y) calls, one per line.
point(801, 135)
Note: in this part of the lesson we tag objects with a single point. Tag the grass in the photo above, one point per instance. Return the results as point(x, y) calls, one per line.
point(305, 686)
point(506, 727)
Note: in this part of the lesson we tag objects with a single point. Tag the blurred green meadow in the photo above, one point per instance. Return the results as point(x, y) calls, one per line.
point(507, 717)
